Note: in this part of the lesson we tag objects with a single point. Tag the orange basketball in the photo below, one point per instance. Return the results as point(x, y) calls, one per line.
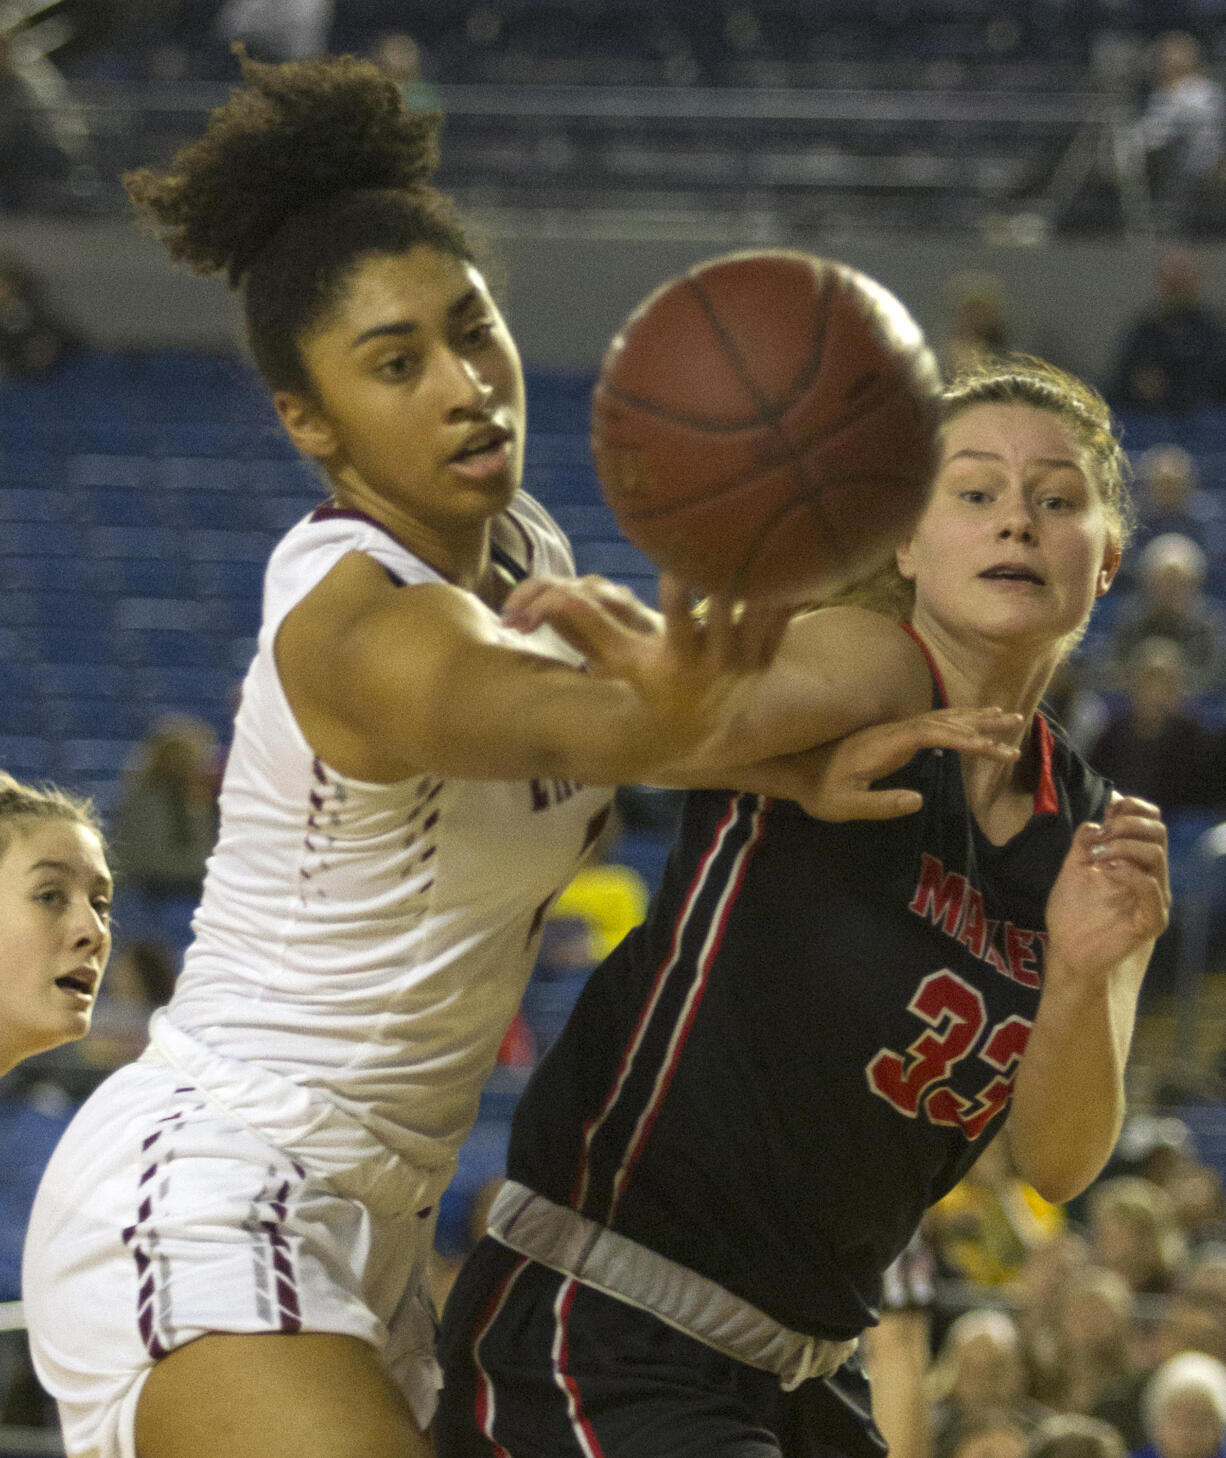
point(766, 424)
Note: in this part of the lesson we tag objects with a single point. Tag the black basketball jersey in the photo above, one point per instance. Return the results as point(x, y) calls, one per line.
point(809, 1040)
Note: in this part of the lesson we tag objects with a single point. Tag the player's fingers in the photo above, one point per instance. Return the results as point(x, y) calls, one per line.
point(743, 634)
point(1131, 827)
point(622, 604)
point(681, 627)
point(587, 626)
point(877, 805)
point(990, 732)
point(520, 608)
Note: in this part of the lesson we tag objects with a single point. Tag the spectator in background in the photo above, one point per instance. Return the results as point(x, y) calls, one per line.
point(1134, 1230)
point(1172, 357)
point(1074, 703)
point(1094, 1351)
point(980, 1369)
point(398, 56)
point(993, 1434)
point(165, 825)
point(1154, 745)
point(1185, 1409)
point(278, 30)
point(1170, 498)
point(1170, 603)
point(1182, 129)
point(141, 979)
point(989, 1222)
point(979, 325)
point(1071, 1435)
point(33, 341)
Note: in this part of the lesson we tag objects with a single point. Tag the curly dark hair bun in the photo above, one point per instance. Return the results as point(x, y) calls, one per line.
point(290, 137)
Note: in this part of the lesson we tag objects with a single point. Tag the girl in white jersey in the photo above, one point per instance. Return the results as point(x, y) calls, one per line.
point(226, 1252)
point(55, 918)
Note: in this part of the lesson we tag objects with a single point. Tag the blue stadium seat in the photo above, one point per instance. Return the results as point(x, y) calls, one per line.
point(53, 607)
point(83, 680)
point(116, 506)
point(611, 557)
point(175, 684)
point(40, 539)
point(155, 542)
point(32, 503)
point(96, 469)
point(74, 717)
point(21, 709)
point(58, 642)
point(37, 574)
point(286, 509)
point(184, 648)
point(213, 509)
point(233, 581)
point(98, 760)
point(28, 756)
point(140, 577)
point(253, 545)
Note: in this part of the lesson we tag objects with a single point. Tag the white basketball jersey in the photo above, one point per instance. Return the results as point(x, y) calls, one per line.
point(374, 940)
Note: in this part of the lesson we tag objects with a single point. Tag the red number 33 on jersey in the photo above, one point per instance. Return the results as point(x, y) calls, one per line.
point(915, 1080)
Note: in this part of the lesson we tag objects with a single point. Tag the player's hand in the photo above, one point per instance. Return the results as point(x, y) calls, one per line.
point(1112, 898)
point(834, 782)
point(688, 666)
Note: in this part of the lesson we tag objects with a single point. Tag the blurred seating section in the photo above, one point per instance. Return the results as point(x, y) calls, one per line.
point(918, 113)
point(140, 496)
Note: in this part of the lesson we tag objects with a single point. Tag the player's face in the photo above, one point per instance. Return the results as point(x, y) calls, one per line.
point(1015, 542)
point(55, 934)
point(420, 408)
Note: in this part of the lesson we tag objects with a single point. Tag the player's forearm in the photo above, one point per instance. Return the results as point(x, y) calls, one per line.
point(1068, 1102)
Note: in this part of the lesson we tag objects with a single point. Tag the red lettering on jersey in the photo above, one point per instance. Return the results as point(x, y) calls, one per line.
point(956, 1014)
point(973, 932)
point(939, 896)
point(991, 953)
point(917, 1080)
point(1023, 966)
point(950, 902)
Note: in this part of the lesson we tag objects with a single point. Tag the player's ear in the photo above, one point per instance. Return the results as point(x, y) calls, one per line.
point(305, 424)
point(1110, 566)
point(905, 559)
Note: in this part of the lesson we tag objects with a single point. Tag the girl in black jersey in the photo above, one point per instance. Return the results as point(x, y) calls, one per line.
point(819, 1026)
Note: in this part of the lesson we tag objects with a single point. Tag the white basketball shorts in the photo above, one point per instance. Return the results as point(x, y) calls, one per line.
point(164, 1215)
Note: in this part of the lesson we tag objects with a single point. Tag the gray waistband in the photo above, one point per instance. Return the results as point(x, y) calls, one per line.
point(568, 1242)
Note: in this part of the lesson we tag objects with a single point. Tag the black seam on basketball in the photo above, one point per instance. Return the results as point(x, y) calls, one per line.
point(766, 415)
point(790, 459)
point(828, 527)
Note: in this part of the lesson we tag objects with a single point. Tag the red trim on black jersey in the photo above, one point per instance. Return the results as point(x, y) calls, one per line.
point(931, 662)
point(684, 973)
point(1046, 798)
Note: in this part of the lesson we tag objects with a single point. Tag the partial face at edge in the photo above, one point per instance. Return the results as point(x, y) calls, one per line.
point(55, 934)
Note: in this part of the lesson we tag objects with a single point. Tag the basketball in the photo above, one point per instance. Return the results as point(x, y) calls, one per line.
point(765, 425)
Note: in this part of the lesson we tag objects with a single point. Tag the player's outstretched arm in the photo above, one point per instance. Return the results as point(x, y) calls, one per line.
point(1108, 906)
point(388, 681)
point(830, 672)
point(835, 782)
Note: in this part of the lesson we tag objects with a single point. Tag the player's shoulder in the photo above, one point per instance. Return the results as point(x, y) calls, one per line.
point(875, 645)
point(528, 534)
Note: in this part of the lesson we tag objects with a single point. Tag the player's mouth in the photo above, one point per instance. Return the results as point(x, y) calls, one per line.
point(1013, 572)
point(486, 452)
point(81, 982)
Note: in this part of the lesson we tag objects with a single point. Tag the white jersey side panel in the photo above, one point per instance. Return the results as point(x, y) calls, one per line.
point(374, 940)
